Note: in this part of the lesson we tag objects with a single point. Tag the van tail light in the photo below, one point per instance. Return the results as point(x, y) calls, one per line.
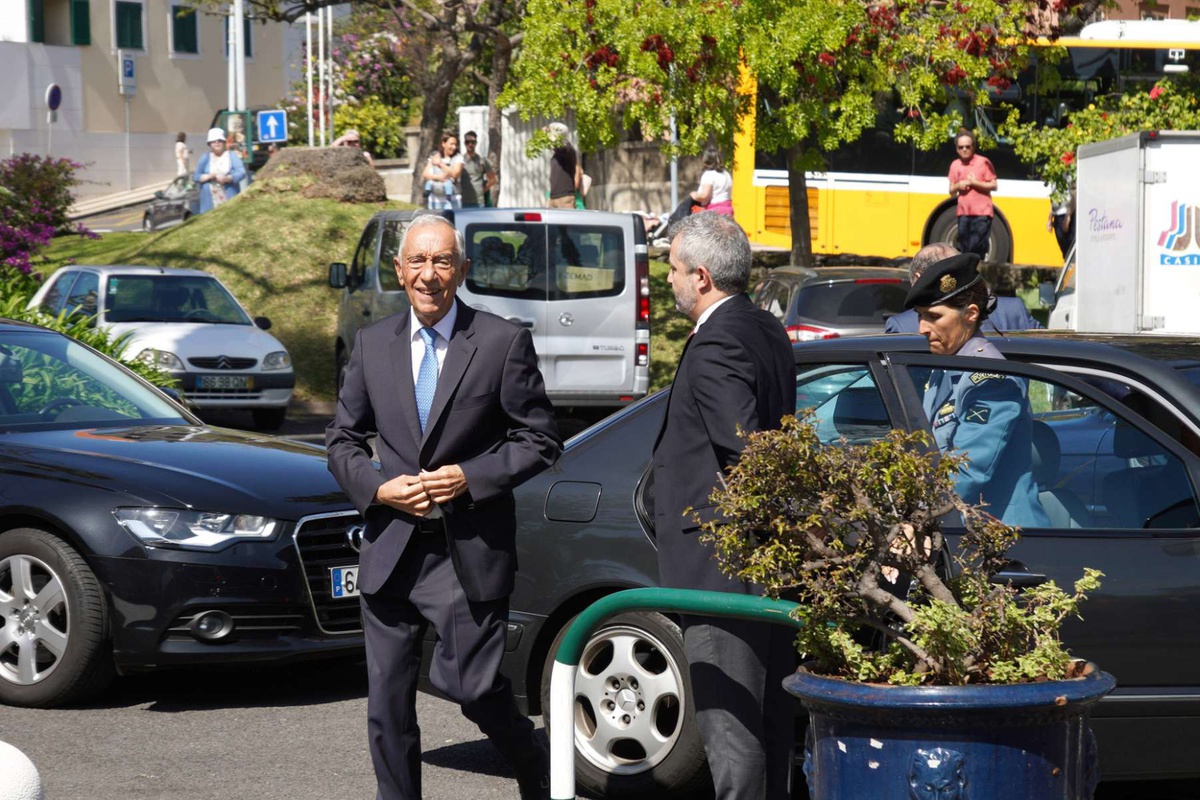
point(810, 333)
point(528, 217)
point(643, 354)
point(642, 272)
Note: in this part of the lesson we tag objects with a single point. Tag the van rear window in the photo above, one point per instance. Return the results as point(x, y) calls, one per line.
point(545, 262)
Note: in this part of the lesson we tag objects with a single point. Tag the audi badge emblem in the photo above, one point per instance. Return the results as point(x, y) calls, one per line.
point(354, 536)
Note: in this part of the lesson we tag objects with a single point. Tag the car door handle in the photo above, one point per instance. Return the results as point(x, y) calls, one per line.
point(1020, 577)
point(524, 323)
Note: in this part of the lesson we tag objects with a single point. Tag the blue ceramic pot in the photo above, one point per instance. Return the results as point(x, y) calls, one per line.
point(1028, 741)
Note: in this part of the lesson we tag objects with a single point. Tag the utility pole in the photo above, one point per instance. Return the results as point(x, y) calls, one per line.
point(239, 37)
point(321, 76)
point(308, 64)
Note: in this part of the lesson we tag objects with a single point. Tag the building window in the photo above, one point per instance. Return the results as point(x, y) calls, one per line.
point(81, 22)
point(37, 21)
point(185, 30)
point(129, 25)
point(247, 36)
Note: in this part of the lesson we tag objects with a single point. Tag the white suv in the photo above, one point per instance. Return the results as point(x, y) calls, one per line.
point(187, 323)
point(579, 280)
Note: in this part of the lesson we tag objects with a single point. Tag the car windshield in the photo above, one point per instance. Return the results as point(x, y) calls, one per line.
point(860, 302)
point(171, 298)
point(51, 381)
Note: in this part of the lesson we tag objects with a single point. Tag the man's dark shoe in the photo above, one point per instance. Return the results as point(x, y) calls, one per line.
point(534, 787)
point(533, 779)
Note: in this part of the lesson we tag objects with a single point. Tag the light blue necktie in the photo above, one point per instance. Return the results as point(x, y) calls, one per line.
point(427, 377)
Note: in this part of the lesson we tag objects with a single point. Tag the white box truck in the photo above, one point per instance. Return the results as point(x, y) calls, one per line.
point(1137, 237)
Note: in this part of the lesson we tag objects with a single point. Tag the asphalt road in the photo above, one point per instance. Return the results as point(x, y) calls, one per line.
point(121, 219)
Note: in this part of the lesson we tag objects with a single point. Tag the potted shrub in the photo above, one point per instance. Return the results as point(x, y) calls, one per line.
point(923, 676)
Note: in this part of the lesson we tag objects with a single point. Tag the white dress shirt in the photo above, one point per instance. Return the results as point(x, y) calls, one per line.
point(703, 317)
point(444, 327)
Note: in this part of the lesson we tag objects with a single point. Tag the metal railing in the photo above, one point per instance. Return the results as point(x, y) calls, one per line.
point(570, 650)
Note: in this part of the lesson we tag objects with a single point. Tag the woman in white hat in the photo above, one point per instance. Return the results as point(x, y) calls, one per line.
point(219, 173)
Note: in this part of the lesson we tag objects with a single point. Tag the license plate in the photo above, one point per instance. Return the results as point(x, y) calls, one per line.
point(345, 581)
point(225, 382)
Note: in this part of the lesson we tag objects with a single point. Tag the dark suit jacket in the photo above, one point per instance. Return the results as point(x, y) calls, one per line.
point(1010, 315)
point(489, 415)
point(737, 370)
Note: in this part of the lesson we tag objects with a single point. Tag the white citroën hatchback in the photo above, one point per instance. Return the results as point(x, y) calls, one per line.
point(187, 323)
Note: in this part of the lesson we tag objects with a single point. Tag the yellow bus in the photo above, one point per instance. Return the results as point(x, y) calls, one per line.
point(887, 199)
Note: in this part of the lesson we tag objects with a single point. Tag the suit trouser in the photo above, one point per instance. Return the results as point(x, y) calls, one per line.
point(747, 720)
point(424, 590)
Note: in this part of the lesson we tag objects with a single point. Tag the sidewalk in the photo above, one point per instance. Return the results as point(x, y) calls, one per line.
point(89, 206)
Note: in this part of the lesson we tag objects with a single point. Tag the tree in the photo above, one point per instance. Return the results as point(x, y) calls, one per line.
point(1170, 105)
point(453, 35)
point(821, 70)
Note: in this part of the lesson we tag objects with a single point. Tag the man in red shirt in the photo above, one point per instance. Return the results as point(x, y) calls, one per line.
point(972, 181)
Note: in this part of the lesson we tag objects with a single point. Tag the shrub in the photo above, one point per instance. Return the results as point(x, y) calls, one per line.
point(841, 530)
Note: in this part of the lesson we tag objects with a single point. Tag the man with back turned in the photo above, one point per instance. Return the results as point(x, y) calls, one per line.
point(736, 372)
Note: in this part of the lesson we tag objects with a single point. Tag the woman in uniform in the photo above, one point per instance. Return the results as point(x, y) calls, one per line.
point(985, 415)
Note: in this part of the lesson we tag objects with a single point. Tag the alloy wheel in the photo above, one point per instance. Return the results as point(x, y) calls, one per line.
point(34, 609)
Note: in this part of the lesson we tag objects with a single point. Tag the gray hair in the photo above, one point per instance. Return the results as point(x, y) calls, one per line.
point(424, 221)
point(719, 244)
point(927, 256)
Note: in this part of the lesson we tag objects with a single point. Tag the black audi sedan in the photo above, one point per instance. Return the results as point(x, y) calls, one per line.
point(1116, 453)
point(132, 536)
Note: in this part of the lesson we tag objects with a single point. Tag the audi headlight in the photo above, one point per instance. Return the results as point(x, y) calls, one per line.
point(277, 360)
point(193, 530)
point(161, 359)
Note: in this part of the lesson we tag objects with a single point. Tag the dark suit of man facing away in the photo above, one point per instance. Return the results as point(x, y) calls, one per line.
point(455, 436)
point(736, 371)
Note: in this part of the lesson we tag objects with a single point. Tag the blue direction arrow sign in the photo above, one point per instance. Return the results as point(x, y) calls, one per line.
point(272, 125)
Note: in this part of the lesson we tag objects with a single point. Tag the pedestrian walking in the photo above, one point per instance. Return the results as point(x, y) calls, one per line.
point(182, 153)
point(456, 407)
point(736, 375)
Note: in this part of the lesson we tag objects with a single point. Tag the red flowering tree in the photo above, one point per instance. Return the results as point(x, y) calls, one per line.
point(822, 70)
point(1169, 105)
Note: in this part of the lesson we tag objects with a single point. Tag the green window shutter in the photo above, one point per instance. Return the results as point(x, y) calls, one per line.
point(81, 22)
point(37, 21)
point(184, 35)
point(129, 26)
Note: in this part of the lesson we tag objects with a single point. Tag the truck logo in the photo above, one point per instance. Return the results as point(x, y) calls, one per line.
point(1182, 232)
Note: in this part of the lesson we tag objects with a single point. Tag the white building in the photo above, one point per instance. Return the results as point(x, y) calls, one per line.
point(181, 74)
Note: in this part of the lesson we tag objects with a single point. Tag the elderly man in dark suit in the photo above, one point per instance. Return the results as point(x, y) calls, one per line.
point(737, 374)
point(1010, 313)
point(461, 416)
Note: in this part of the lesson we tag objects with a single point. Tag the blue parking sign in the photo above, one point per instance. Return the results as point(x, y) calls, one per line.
point(272, 125)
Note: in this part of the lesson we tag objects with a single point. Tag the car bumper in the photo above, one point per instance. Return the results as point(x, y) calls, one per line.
point(261, 589)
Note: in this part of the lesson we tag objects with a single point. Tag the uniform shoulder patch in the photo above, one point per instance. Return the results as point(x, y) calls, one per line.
point(980, 377)
point(977, 415)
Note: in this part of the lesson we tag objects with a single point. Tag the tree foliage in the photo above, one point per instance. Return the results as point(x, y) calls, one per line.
point(841, 529)
point(822, 70)
point(1170, 105)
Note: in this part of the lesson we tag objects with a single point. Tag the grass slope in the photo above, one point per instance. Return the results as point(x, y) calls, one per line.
point(273, 251)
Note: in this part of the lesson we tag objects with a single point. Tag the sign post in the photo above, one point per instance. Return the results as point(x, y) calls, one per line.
point(271, 126)
point(53, 101)
point(127, 87)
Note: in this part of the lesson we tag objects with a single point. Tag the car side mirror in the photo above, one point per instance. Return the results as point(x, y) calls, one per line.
point(263, 322)
point(159, 195)
point(337, 275)
point(1046, 294)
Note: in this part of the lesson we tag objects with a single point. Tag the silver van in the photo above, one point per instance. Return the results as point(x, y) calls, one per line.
point(579, 280)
